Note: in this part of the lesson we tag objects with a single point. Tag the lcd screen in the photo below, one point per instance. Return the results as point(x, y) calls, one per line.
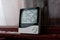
point(29, 17)
point(29, 21)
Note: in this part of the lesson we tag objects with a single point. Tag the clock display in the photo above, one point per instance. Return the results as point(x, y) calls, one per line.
point(29, 16)
point(29, 22)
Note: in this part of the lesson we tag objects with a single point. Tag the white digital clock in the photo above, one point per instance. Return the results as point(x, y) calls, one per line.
point(29, 21)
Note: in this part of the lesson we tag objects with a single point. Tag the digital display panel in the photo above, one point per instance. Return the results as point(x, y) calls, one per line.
point(30, 20)
point(29, 17)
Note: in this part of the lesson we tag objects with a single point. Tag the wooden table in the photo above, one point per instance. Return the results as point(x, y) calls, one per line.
point(53, 34)
point(30, 37)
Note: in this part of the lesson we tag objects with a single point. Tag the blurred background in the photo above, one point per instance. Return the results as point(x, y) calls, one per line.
point(10, 9)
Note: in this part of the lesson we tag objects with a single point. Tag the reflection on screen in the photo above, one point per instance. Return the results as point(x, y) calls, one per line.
point(28, 17)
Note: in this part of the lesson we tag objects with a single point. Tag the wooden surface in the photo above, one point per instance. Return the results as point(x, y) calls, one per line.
point(53, 29)
point(49, 29)
point(53, 34)
point(33, 37)
point(54, 21)
point(9, 28)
